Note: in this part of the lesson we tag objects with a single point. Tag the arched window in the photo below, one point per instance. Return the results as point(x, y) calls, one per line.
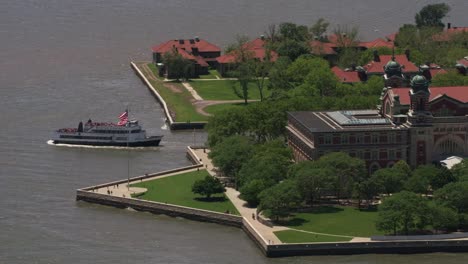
point(373, 168)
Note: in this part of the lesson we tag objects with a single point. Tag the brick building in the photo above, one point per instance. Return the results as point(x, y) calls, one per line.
point(200, 52)
point(416, 124)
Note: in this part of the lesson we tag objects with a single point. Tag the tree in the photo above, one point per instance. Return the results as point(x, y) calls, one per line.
point(292, 49)
point(390, 180)
point(250, 191)
point(280, 199)
point(225, 124)
point(368, 189)
point(177, 67)
point(432, 15)
point(208, 186)
point(402, 167)
point(347, 171)
point(230, 154)
point(244, 72)
point(311, 181)
point(262, 69)
point(442, 217)
point(319, 28)
point(402, 211)
point(460, 170)
point(279, 79)
point(293, 31)
point(454, 195)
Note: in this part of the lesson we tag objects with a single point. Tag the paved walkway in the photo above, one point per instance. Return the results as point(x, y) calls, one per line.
point(192, 91)
point(233, 195)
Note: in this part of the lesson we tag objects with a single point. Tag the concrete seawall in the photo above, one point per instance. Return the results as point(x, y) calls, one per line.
point(160, 208)
point(172, 124)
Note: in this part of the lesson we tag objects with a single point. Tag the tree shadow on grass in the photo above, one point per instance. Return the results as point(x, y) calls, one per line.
point(293, 222)
point(210, 200)
point(322, 210)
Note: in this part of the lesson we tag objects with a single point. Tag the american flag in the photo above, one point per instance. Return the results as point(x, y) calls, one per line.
point(123, 118)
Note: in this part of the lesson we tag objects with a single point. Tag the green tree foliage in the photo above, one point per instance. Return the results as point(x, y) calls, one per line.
point(230, 154)
point(311, 181)
point(177, 66)
point(279, 200)
point(318, 29)
point(390, 180)
point(312, 76)
point(455, 195)
point(208, 186)
point(428, 177)
point(368, 189)
point(402, 211)
point(402, 167)
point(293, 31)
point(346, 172)
point(432, 15)
point(245, 67)
point(267, 167)
point(442, 217)
point(279, 79)
point(292, 49)
point(460, 170)
point(452, 78)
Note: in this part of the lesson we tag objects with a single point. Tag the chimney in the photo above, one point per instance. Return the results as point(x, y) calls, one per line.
point(181, 41)
point(449, 25)
point(353, 66)
point(361, 73)
point(425, 71)
point(376, 56)
point(407, 53)
point(197, 39)
point(262, 37)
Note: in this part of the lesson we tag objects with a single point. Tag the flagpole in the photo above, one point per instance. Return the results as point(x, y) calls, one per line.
point(128, 152)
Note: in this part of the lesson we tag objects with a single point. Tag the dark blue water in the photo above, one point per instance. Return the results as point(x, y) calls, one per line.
point(62, 61)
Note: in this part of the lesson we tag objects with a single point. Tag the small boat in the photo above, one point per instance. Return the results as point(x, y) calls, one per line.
point(125, 133)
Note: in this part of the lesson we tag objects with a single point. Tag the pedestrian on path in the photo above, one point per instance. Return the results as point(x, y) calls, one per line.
point(253, 216)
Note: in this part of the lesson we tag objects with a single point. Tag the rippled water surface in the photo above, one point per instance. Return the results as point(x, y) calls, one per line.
point(62, 61)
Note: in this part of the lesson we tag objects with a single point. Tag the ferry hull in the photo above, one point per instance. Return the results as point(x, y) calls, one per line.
point(146, 143)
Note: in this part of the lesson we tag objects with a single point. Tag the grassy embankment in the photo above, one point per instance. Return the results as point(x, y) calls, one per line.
point(178, 190)
point(177, 98)
point(335, 220)
point(223, 90)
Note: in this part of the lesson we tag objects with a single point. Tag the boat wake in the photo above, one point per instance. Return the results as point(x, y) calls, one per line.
point(51, 143)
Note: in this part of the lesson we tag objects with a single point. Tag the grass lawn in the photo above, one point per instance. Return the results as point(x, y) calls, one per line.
point(222, 90)
point(336, 220)
point(213, 109)
point(155, 71)
point(178, 190)
point(291, 236)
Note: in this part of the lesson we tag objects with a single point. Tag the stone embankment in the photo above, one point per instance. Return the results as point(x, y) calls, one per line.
point(172, 123)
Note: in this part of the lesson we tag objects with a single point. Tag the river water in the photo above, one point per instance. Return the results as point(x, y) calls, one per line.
point(62, 61)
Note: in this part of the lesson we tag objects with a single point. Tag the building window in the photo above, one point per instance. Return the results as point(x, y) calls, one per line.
point(359, 138)
point(391, 154)
point(374, 138)
point(344, 138)
point(328, 139)
point(374, 155)
point(391, 138)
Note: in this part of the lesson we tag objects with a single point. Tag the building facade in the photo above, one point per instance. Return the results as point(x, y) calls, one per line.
point(417, 124)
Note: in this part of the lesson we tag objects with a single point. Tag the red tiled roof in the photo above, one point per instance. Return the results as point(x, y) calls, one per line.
point(202, 45)
point(257, 49)
point(346, 76)
point(456, 92)
point(391, 37)
point(377, 43)
point(377, 66)
point(447, 34)
point(319, 47)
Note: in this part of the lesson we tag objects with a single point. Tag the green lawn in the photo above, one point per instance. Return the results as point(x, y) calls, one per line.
point(336, 220)
point(223, 90)
point(155, 71)
point(213, 109)
point(292, 236)
point(178, 190)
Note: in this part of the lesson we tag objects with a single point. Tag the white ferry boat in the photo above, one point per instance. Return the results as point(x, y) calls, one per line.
point(124, 133)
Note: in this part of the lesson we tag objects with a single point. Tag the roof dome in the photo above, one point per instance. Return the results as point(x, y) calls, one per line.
point(392, 68)
point(419, 83)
